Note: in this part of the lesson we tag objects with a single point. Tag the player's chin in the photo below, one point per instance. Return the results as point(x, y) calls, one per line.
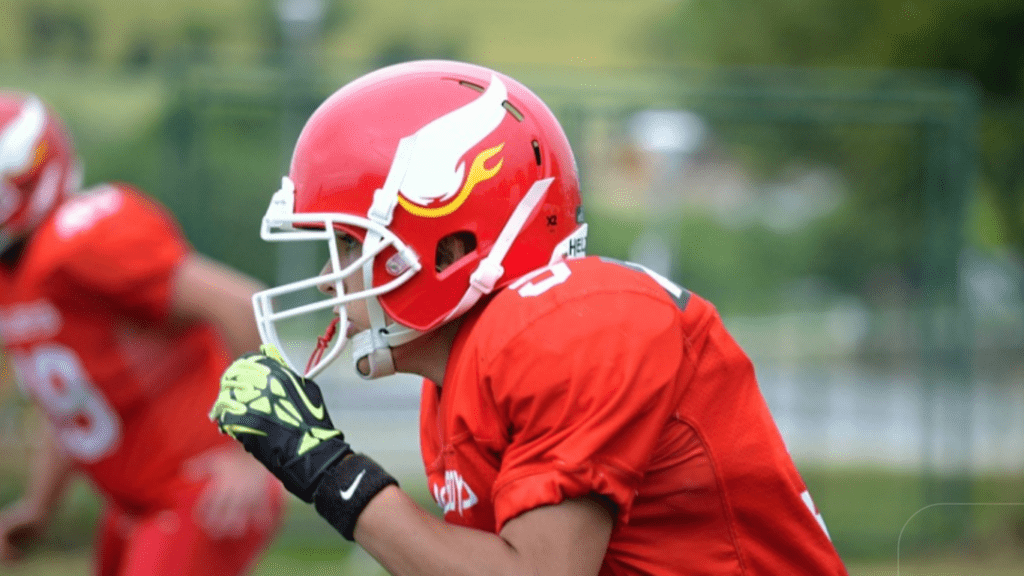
point(353, 329)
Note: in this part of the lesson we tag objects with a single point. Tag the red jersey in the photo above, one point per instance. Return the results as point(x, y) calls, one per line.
point(83, 316)
point(591, 376)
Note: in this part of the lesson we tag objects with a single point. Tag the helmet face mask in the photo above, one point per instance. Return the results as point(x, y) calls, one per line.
point(409, 156)
point(280, 224)
point(38, 165)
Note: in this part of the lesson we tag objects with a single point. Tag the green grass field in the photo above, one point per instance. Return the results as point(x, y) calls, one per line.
point(278, 563)
point(282, 560)
point(865, 510)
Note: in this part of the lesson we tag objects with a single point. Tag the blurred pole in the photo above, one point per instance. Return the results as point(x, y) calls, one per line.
point(668, 139)
point(948, 331)
point(301, 23)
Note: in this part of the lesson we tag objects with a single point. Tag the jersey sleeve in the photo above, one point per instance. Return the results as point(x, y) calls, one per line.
point(586, 401)
point(122, 248)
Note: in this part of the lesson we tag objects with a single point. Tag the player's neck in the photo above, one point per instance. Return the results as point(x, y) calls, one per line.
point(427, 356)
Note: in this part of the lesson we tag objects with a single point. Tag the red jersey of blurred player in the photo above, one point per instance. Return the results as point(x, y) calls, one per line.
point(590, 377)
point(86, 319)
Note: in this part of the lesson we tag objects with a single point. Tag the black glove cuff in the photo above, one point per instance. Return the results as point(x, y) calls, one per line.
point(347, 488)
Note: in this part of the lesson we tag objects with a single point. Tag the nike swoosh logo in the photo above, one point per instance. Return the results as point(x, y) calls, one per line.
point(347, 493)
point(316, 411)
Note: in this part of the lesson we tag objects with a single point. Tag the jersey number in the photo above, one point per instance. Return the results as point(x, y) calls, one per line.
point(86, 425)
point(546, 278)
point(806, 497)
point(542, 280)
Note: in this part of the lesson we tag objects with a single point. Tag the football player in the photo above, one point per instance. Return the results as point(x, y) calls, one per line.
point(119, 331)
point(579, 415)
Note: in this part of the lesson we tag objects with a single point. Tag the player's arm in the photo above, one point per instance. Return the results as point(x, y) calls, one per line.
point(280, 418)
point(206, 290)
point(24, 521)
point(566, 538)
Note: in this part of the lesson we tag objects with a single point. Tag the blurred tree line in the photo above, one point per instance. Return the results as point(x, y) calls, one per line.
point(981, 39)
point(214, 166)
point(227, 107)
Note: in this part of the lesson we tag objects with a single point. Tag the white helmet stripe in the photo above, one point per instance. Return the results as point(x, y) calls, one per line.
point(46, 193)
point(19, 138)
point(427, 164)
point(435, 170)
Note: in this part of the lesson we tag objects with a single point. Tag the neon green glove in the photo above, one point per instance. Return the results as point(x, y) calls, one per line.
point(280, 418)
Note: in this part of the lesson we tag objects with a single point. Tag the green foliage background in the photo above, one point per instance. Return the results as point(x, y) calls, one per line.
point(980, 40)
point(125, 77)
point(197, 102)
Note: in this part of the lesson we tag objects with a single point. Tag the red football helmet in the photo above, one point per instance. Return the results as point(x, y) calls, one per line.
point(405, 157)
point(38, 165)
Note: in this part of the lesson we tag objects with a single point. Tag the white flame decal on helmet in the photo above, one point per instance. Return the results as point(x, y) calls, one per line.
point(435, 172)
point(19, 139)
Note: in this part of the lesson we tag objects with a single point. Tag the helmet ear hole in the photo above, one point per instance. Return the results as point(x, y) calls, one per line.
point(453, 247)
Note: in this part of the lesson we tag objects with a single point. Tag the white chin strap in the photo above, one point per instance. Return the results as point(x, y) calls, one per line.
point(375, 347)
point(379, 360)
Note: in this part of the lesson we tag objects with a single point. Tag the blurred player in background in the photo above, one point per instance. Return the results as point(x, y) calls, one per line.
point(579, 415)
point(119, 331)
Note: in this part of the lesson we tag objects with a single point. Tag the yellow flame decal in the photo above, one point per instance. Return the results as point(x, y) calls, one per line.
point(477, 174)
point(38, 156)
